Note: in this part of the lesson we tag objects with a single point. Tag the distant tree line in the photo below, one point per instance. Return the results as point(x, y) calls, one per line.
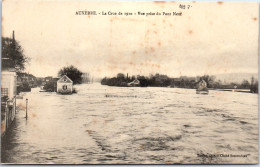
point(159, 80)
point(254, 85)
point(122, 80)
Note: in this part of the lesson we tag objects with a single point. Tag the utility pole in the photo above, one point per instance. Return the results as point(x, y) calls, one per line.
point(26, 116)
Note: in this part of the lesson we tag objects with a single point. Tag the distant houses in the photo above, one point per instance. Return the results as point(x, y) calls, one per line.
point(65, 85)
point(135, 82)
point(41, 81)
point(25, 82)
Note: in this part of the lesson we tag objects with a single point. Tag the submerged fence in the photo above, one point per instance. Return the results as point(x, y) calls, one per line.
point(8, 110)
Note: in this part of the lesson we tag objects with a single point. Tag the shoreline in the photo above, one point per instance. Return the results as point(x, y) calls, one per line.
point(217, 89)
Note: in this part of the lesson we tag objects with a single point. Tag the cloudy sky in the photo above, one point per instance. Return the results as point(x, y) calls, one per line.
point(209, 38)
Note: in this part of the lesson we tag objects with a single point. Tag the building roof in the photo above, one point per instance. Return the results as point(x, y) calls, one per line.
point(65, 79)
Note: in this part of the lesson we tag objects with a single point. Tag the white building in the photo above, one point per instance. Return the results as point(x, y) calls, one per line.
point(8, 84)
point(64, 85)
point(135, 82)
point(8, 106)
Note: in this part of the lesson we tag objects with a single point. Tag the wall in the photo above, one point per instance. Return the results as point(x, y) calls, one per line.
point(8, 109)
point(8, 80)
point(61, 90)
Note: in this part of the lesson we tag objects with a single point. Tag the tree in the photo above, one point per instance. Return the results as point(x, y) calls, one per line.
point(73, 73)
point(120, 76)
point(50, 86)
point(254, 85)
point(12, 55)
point(245, 84)
point(104, 81)
point(217, 84)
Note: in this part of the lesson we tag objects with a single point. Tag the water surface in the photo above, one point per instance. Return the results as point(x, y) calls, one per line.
point(133, 126)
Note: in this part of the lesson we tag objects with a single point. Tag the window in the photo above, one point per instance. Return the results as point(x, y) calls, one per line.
point(65, 80)
point(4, 92)
point(64, 87)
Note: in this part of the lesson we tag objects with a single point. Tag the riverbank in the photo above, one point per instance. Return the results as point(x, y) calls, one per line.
point(216, 89)
point(159, 80)
point(235, 90)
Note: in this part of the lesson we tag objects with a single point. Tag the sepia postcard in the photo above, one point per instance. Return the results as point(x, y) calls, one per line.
point(154, 82)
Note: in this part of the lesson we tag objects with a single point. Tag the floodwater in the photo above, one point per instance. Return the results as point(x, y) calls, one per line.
point(116, 125)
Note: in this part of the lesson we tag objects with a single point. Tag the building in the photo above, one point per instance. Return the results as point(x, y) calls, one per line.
point(8, 84)
point(26, 81)
point(8, 99)
point(8, 91)
point(65, 85)
point(201, 85)
point(47, 79)
point(136, 82)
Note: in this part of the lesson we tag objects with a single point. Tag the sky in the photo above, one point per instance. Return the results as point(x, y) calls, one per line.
point(209, 37)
